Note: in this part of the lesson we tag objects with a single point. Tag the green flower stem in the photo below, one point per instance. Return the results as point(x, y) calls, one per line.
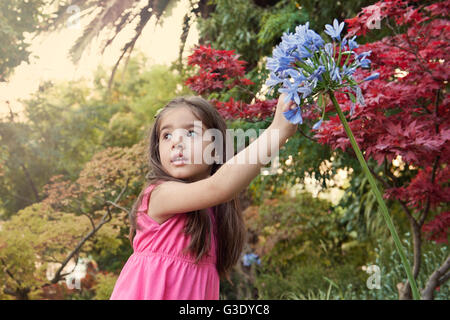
point(340, 56)
point(348, 58)
point(384, 210)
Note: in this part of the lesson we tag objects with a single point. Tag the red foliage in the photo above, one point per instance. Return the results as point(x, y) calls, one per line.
point(221, 70)
point(406, 115)
point(403, 12)
point(238, 109)
point(437, 229)
point(421, 190)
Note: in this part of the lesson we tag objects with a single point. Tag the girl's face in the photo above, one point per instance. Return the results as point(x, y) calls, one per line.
point(179, 136)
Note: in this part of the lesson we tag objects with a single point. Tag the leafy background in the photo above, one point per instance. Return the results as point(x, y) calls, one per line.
point(81, 147)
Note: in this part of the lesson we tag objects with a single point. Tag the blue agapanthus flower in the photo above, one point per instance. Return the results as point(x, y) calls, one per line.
point(306, 67)
point(250, 258)
point(335, 30)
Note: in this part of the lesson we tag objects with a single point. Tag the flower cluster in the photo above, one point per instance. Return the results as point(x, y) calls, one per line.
point(250, 258)
point(307, 68)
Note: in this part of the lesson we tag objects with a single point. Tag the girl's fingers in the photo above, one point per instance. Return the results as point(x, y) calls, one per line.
point(290, 105)
point(285, 106)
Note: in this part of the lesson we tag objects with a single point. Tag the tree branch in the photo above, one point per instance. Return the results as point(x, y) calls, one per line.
point(145, 14)
point(424, 215)
point(439, 277)
point(408, 212)
point(106, 218)
point(10, 274)
point(435, 164)
point(383, 182)
point(117, 206)
point(444, 278)
point(305, 135)
point(90, 219)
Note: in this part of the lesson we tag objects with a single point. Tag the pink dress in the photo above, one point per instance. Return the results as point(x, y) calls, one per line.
point(158, 269)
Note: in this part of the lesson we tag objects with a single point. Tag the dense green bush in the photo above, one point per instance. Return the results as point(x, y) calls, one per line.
point(105, 285)
point(303, 248)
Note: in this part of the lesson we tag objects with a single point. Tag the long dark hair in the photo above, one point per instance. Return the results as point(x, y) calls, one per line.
point(230, 227)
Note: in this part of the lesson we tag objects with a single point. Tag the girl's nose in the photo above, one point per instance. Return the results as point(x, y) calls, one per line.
point(178, 142)
point(178, 145)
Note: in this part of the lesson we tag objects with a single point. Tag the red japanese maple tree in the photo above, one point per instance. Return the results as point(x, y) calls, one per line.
point(407, 115)
point(219, 71)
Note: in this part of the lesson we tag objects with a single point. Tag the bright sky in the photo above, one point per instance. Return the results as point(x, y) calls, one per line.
point(161, 44)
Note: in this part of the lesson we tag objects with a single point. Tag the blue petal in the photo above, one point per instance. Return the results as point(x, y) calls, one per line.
point(359, 96)
point(365, 63)
point(317, 125)
point(273, 80)
point(294, 116)
point(335, 24)
point(373, 76)
point(306, 91)
point(328, 28)
point(352, 43)
point(352, 109)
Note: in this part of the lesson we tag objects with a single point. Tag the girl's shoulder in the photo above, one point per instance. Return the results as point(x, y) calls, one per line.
point(143, 207)
point(152, 186)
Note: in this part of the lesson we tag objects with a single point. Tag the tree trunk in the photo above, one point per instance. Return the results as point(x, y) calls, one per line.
point(406, 293)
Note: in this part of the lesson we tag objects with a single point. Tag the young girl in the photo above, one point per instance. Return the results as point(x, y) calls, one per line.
point(187, 229)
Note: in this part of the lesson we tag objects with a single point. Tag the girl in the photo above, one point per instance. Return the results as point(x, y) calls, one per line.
point(187, 230)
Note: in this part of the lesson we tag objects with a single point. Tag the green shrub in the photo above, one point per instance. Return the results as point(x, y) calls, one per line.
point(304, 247)
point(105, 285)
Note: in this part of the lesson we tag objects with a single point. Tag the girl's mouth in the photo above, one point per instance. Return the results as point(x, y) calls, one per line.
point(179, 161)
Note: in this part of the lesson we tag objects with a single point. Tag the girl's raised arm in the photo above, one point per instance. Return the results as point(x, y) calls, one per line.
point(237, 173)
point(230, 179)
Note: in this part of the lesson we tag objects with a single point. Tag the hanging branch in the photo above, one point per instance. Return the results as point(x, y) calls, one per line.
point(105, 219)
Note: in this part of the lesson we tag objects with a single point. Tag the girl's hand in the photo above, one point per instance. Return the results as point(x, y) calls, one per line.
point(287, 129)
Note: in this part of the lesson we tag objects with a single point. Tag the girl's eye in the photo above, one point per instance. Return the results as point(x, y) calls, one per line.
point(191, 133)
